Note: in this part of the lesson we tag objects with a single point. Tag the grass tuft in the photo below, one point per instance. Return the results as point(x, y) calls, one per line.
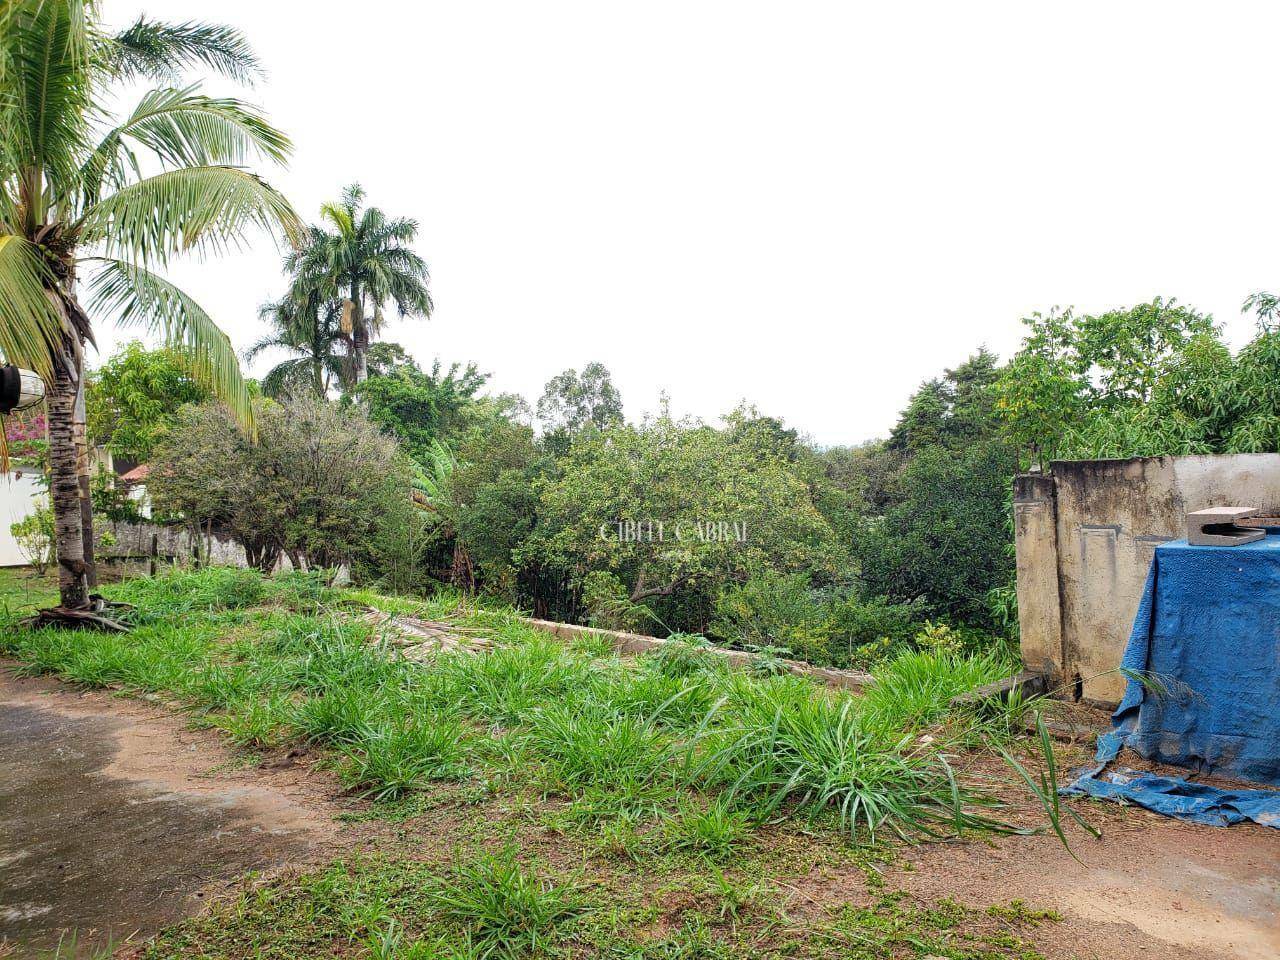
point(506, 909)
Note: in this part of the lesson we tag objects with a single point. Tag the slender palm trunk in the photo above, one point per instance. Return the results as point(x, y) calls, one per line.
point(83, 475)
point(359, 338)
point(64, 491)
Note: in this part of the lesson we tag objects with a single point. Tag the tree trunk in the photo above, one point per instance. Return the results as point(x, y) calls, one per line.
point(359, 338)
point(85, 478)
point(360, 355)
point(64, 490)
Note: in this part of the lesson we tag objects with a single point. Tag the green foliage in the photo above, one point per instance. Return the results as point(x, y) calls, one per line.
point(713, 828)
point(684, 476)
point(111, 499)
point(1154, 380)
point(403, 753)
point(354, 266)
point(822, 625)
point(133, 398)
point(321, 484)
point(420, 408)
point(35, 537)
point(952, 411)
point(507, 909)
point(944, 541)
point(676, 731)
point(491, 496)
point(572, 403)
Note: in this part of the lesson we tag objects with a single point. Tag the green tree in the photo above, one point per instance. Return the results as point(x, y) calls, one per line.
point(362, 259)
point(573, 402)
point(954, 410)
point(134, 397)
point(1098, 385)
point(493, 497)
point(308, 330)
point(74, 205)
point(945, 541)
point(321, 484)
point(421, 408)
point(690, 478)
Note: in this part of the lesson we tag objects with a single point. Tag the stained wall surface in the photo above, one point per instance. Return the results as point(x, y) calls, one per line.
point(1085, 533)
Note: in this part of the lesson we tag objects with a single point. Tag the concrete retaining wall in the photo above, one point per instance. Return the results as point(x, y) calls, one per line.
point(631, 644)
point(1085, 533)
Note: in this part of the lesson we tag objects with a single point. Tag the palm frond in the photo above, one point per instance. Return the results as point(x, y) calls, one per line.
point(137, 296)
point(183, 128)
point(45, 96)
point(288, 377)
point(150, 48)
point(206, 207)
point(30, 323)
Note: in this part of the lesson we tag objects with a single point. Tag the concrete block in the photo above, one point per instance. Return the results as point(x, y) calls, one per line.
point(1218, 527)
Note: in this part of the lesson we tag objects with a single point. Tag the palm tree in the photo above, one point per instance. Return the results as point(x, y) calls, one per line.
point(310, 331)
point(74, 203)
point(363, 260)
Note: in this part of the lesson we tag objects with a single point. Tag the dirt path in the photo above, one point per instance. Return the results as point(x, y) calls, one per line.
point(115, 818)
point(1151, 887)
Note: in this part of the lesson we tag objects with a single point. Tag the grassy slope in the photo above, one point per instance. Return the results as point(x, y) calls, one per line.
point(670, 762)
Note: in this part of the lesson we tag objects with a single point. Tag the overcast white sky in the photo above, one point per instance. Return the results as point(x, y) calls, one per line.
point(812, 206)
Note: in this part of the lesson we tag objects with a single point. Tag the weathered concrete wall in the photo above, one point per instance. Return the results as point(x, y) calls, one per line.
point(133, 540)
point(1086, 569)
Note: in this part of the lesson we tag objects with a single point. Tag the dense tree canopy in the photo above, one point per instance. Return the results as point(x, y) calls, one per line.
point(134, 396)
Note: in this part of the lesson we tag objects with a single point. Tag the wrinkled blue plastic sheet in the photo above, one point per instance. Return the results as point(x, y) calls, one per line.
point(1206, 643)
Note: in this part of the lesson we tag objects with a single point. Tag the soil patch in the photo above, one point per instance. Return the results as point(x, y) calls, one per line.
point(116, 819)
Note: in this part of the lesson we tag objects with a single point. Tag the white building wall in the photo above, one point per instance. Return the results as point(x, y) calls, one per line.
point(21, 493)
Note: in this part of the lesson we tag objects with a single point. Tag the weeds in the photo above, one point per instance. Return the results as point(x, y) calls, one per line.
point(505, 909)
point(714, 829)
point(269, 661)
point(404, 754)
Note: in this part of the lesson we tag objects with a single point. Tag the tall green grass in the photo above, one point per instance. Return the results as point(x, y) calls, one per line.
point(275, 660)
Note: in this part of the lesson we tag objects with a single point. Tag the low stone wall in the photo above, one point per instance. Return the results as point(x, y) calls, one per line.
point(631, 644)
point(1085, 533)
point(133, 541)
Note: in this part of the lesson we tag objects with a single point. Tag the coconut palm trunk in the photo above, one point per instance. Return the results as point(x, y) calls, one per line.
point(64, 488)
point(84, 481)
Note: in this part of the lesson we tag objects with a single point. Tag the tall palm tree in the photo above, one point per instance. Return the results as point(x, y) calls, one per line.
point(74, 203)
point(361, 257)
point(310, 331)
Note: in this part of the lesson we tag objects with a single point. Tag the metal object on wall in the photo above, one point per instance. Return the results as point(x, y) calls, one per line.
point(1218, 527)
point(19, 388)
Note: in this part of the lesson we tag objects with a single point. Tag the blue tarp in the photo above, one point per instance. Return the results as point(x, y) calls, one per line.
point(1206, 643)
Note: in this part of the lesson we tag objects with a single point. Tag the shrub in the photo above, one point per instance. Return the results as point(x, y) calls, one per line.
point(827, 627)
point(320, 484)
point(35, 537)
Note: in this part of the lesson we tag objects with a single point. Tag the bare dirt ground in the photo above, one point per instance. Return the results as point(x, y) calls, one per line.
point(117, 819)
point(1151, 887)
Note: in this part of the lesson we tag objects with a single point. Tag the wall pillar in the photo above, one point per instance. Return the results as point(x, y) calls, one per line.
point(1035, 524)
